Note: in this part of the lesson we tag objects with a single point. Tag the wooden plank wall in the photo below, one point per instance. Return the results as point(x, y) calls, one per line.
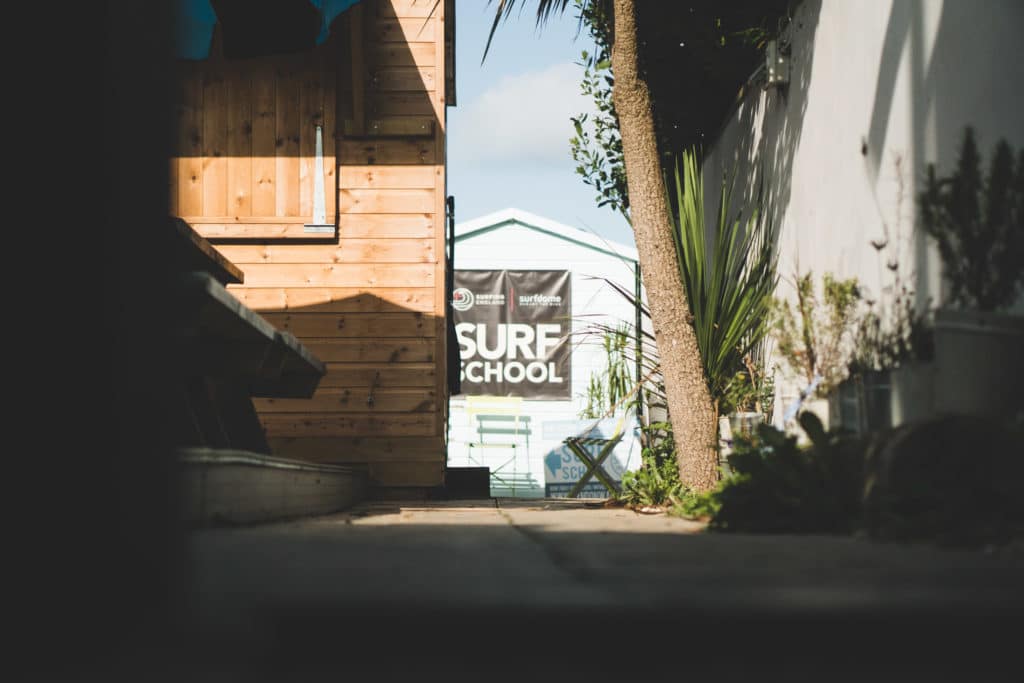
point(246, 141)
point(370, 301)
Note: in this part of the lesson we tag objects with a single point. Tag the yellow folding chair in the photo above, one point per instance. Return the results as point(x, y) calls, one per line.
point(499, 425)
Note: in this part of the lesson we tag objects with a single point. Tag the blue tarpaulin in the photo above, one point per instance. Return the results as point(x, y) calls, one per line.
point(196, 19)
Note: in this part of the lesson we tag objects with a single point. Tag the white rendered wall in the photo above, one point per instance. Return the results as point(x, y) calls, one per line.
point(879, 89)
point(515, 247)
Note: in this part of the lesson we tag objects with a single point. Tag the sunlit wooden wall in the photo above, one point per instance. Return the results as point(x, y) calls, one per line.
point(367, 299)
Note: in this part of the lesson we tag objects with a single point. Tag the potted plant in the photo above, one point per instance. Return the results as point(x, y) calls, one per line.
point(813, 339)
point(977, 223)
point(746, 402)
point(890, 373)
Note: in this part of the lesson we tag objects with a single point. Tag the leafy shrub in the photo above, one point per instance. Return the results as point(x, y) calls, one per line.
point(951, 479)
point(813, 338)
point(656, 482)
point(780, 487)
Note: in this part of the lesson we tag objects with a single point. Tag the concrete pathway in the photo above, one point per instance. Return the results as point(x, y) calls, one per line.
point(555, 589)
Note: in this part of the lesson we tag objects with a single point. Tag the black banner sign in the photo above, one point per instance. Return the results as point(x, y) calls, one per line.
point(513, 332)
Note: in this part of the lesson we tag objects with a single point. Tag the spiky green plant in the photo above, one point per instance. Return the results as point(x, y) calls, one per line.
point(729, 282)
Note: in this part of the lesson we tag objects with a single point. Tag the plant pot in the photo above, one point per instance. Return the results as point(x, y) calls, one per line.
point(733, 425)
point(724, 443)
point(979, 360)
point(744, 424)
point(882, 399)
point(912, 393)
point(820, 408)
point(844, 405)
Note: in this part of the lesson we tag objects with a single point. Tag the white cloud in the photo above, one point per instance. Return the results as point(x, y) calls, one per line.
point(521, 119)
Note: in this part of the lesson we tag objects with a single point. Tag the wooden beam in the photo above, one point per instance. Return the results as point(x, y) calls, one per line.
point(359, 449)
point(349, 251)
point(375, 374)
point(353, 400)
point(358, 67)
point(337, 299)
point(339, 275)
point(349, 424)
point(362, 325)
point(383, 226)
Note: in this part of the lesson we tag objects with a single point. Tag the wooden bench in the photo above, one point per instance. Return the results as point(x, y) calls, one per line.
point(227, 353)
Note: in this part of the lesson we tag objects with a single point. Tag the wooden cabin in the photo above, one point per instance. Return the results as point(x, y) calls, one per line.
point(321, 175)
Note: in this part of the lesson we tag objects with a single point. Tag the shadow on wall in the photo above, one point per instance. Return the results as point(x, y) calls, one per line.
point(380, 399)
point(968, 77)
point(942, 67)
point(769, 125)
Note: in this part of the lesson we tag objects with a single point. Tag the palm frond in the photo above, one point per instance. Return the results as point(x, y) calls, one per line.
point(545, 8)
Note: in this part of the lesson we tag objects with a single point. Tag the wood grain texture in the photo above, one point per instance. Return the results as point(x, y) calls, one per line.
point(395, 350)
point(408, 473)
point(398, 127)
point(215, 143)
point(189, 178)
point(287, 141)
point(405, 78)
point(440, 211)
point(392, 54)
point(336, 300)
point(390, 9)
point(264, 132)
point(348, 424)
point(354, 400)
point(382, 375)
point(360, 325)
point(360, 449)
point(239, 152)
point(383, 104)
point(348, 251)
point(387, 178)
point(406, 31)
point(235, 230)
point(382, 226)
point(366, 302)
point(385, 151)
point(374, 200)
point(339, 275)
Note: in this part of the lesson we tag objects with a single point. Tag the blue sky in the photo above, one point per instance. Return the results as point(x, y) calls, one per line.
point(508, 135)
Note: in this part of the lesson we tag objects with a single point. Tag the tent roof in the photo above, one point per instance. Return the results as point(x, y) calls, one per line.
point(500, 219)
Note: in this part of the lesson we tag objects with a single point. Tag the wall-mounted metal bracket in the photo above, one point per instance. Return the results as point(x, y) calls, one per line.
point(776, 65)
point(319, 224)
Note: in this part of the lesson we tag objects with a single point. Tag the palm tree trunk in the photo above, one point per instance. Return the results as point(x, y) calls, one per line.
point(691, 410)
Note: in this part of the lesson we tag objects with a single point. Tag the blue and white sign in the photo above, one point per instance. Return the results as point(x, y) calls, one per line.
point(563, 470)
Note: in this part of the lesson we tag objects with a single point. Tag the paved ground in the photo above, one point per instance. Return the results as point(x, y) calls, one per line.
point(489, 590)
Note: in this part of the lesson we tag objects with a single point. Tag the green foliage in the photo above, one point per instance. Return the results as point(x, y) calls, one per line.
point(949, 479)
point(697, 505)
point(978, 225)
point(598, 154)
point(714, 44)
point(891, 330)
point(778, 487)
point(609, 387)
point(886, 337)
point(656, 482)
point(750, 390)
point(814, 339)
point(728, 283)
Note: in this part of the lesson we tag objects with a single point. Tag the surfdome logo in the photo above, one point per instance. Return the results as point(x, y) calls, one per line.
point(462, 299)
